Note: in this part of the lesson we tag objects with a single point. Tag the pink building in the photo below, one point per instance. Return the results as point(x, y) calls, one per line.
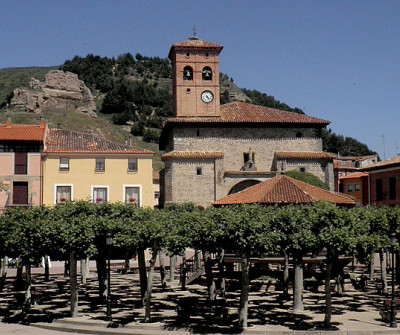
point(20, 164)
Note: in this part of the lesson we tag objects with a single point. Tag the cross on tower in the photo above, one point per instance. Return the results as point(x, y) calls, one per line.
point(194, 31)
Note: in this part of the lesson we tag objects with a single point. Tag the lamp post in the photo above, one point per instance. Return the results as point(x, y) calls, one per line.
point(393, 323)
point(109, 242)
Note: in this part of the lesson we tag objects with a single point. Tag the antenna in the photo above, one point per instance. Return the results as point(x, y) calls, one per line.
point(384, 149)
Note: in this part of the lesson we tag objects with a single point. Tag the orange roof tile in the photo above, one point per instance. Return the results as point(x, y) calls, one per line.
point(156, 176)
point(19, 132)
point(303, 155)
point(241, 112)
point(195, 42)
point(284, 190)
point(387, 163)
point(59, 141)
point(355, 175)
point(192, 154)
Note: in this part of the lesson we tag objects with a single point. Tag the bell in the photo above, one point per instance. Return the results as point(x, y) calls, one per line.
point(207, 74)
point(188, 74)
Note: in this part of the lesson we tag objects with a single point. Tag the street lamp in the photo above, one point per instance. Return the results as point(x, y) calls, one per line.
point(109, 242)
point(393, 241)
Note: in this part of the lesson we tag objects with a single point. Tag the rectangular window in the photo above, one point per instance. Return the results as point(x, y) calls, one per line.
point(63, 194)
point(100, 195)
point(303, 169)
point(64, 164)
point(392, 188)
point(349, 187)
point(199, 171)
point(132, 195)
point(132, 164)
point(100, 164)
point(20, 163)
point(20, 193)
point(379, 193)
point(156, 195)
point(357, 187)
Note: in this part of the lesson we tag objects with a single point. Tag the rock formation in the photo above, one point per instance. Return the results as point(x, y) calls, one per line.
point(59, 90)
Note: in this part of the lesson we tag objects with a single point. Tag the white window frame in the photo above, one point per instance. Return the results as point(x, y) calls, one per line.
point(350, 188)
point(92, 187)
point(357, 187)
point(55, 191)
point(124, 193)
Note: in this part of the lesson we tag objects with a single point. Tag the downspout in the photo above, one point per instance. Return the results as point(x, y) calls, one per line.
point(43, 156)
point(369, 189)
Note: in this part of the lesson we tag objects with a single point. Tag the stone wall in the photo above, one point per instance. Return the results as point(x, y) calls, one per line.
point(233, 142)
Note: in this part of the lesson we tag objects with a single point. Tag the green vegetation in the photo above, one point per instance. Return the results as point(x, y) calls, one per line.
point(308, 178)
point(77, 230)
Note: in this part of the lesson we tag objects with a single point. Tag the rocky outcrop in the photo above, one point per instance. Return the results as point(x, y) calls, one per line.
point(59, 91)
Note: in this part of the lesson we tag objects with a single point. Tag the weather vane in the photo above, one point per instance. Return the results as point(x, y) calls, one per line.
point(194, 31)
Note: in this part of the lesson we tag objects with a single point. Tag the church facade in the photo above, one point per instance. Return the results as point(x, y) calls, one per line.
point(213, 150)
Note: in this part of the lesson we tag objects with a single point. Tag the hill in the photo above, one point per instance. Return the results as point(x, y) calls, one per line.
point(133, 95)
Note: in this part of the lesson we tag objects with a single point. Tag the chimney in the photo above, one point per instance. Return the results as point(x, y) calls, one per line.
point(42, 123)
point(8, 122)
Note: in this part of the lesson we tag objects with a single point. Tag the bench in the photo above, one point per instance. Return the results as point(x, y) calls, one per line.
point(120, 267)
point(385, 312)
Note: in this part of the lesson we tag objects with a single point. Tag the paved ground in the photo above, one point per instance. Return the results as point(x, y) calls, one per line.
point(355, 313)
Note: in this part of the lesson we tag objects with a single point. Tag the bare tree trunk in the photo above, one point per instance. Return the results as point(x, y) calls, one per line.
point(209, 276)
point(4, 267)
point(371, 267)
point(66, 268)
point(197, 259)
point(101, 266)
point(73, 279)
point(162, 271)
point(328, 293)
point(382, 259)
point(142, 273)
point(285, 273)
point(244, 293)
point(19, 279)
point(147, 298)
point(298, 283)
point(84, 269)
point(172, 265)
point(28, 287)
point(221, 268)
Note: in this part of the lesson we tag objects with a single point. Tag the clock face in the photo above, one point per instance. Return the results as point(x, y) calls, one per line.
point(207, 97)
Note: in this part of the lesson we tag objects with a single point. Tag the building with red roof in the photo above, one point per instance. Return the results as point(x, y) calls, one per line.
point(20, 164)
point(213, 150)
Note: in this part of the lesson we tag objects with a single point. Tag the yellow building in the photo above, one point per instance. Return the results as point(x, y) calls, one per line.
point(82, 166)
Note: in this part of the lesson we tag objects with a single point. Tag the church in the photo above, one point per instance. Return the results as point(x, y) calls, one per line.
point(213, 150)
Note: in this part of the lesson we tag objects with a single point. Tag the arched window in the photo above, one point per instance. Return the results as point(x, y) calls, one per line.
point(187, 73)
point(207, 73)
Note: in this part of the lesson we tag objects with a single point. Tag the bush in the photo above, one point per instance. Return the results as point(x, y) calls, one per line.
point(308, 178)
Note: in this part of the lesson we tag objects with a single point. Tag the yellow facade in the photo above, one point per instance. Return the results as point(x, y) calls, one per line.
point(78, 173)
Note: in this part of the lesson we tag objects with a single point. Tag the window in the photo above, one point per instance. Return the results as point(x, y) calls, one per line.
point(100, 164)
point(187, 73)
point(379, 193)
point(20, 193)
point(63, 194)
point(199, 171)
point(64, 163)
point(132, 195)
point(206, 73)
point(303, 169)
point(132, 164)
point(392, 188)
point(156, 195)
point(357, 187)
point(350, 188)
point(21, 163)
point(100, 195)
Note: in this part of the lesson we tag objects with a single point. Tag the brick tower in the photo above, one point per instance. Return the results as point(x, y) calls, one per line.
point(195, 70)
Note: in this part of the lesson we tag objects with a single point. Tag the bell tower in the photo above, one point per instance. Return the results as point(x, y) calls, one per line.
point(195, 83)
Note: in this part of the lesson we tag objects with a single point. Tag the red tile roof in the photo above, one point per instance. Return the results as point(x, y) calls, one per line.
point(395, 161)
point(284, 190)
point(19, 132)
point(156, 176)
point(194, 42)
point(59, 141)
point(240, 112)
point(192, 154)
point(303, 155)
point(355, 175)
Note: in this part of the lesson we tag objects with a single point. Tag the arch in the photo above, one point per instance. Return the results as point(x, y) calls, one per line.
point(206, 73)
point(243, 185)
point(187, 73)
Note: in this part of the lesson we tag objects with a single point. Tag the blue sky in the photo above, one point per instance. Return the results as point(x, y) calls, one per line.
point(337, 60)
